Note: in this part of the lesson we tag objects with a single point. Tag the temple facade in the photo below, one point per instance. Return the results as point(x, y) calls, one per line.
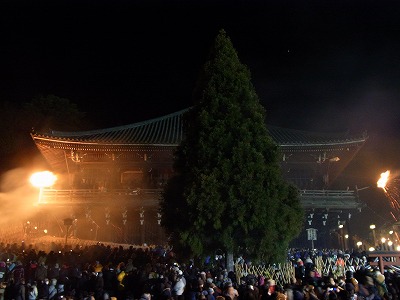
point(119, 172)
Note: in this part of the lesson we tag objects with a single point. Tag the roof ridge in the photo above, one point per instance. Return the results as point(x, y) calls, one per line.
point(340, 134)
point(117, 128)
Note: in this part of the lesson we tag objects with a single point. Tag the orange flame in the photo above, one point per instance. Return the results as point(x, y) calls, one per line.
point(43, 179)
point(382, 182)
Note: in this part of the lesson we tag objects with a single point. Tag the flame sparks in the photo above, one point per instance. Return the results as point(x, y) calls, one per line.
point(383, 180)
point(389, 183)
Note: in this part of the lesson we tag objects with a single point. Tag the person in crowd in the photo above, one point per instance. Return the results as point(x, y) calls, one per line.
point(32, 291)
point(53, 271)
point(300, 270)
point(269, 292)
point(280, 293)
point(60, 291)
point(53, 289)
point(18, 272)
point(210, 294)
point(40, 272)
point(230, 292)
point(3, 271)
point(381, 284)
point(179, 286)
point(98, 285)
point(217, 290)
point(250, 291)
point(309, 292)
point(17, 290)
point(368, 290)
point(43, 289)
point(158, 276)
point(166, 293)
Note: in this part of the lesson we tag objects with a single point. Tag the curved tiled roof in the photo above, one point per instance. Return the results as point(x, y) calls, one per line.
point(168, 131)
point(291, 137)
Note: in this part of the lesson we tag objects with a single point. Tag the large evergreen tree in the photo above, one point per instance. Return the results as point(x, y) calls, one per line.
point(228, 192)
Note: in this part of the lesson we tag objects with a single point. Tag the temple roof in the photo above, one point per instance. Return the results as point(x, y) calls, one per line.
point(168, 131)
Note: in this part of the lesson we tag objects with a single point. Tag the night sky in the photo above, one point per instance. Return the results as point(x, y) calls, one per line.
point(316, 65)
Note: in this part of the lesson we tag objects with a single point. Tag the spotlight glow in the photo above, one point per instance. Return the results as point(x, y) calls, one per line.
point(43, 179)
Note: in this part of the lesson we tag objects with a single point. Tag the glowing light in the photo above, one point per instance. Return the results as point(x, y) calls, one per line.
point(346, 236)
point(45, 231)
point(383, 240)
point(391, 232)
point(390, 243)
point(371, 249)
point(43, 179)
point(359, 244)
point(398, 248)
point(383, 180)
point(372, 226)
point(389, 183)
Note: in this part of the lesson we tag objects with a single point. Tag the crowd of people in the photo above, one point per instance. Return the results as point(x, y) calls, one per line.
point(104, 272)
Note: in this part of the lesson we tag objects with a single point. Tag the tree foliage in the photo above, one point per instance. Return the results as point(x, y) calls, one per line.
point(50, 111)
point(228, 192)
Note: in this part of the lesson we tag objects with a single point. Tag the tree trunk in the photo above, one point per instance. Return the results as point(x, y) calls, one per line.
point(229, 261)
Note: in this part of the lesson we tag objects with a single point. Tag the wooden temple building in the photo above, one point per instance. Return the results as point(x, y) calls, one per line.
point(110, 179)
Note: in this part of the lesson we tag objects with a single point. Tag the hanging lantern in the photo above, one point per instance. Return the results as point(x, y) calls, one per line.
point(124, 215)
point(88, 213)
point(159, 218)
point(141, 213)
point(108, 215)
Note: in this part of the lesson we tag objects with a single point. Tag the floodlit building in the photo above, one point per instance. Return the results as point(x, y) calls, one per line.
point(112, 178)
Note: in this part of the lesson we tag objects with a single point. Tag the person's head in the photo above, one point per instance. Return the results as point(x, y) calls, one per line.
point(349, 274)
point(368, 281)
point(332, 296)
point(271, 282)
point(145, 296)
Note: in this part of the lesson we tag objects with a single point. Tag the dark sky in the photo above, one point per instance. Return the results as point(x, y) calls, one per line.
point(316, 65)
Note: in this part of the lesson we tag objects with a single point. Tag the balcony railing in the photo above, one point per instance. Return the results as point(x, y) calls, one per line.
point(330, 199)
point(90, 196)
point(310, 199)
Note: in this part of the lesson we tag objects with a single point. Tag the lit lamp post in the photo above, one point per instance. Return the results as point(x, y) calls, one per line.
point(391, 238)
point(359, 244)
point(383, 240)
point(390, 244)
point(42, 180)
point(372, 227)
